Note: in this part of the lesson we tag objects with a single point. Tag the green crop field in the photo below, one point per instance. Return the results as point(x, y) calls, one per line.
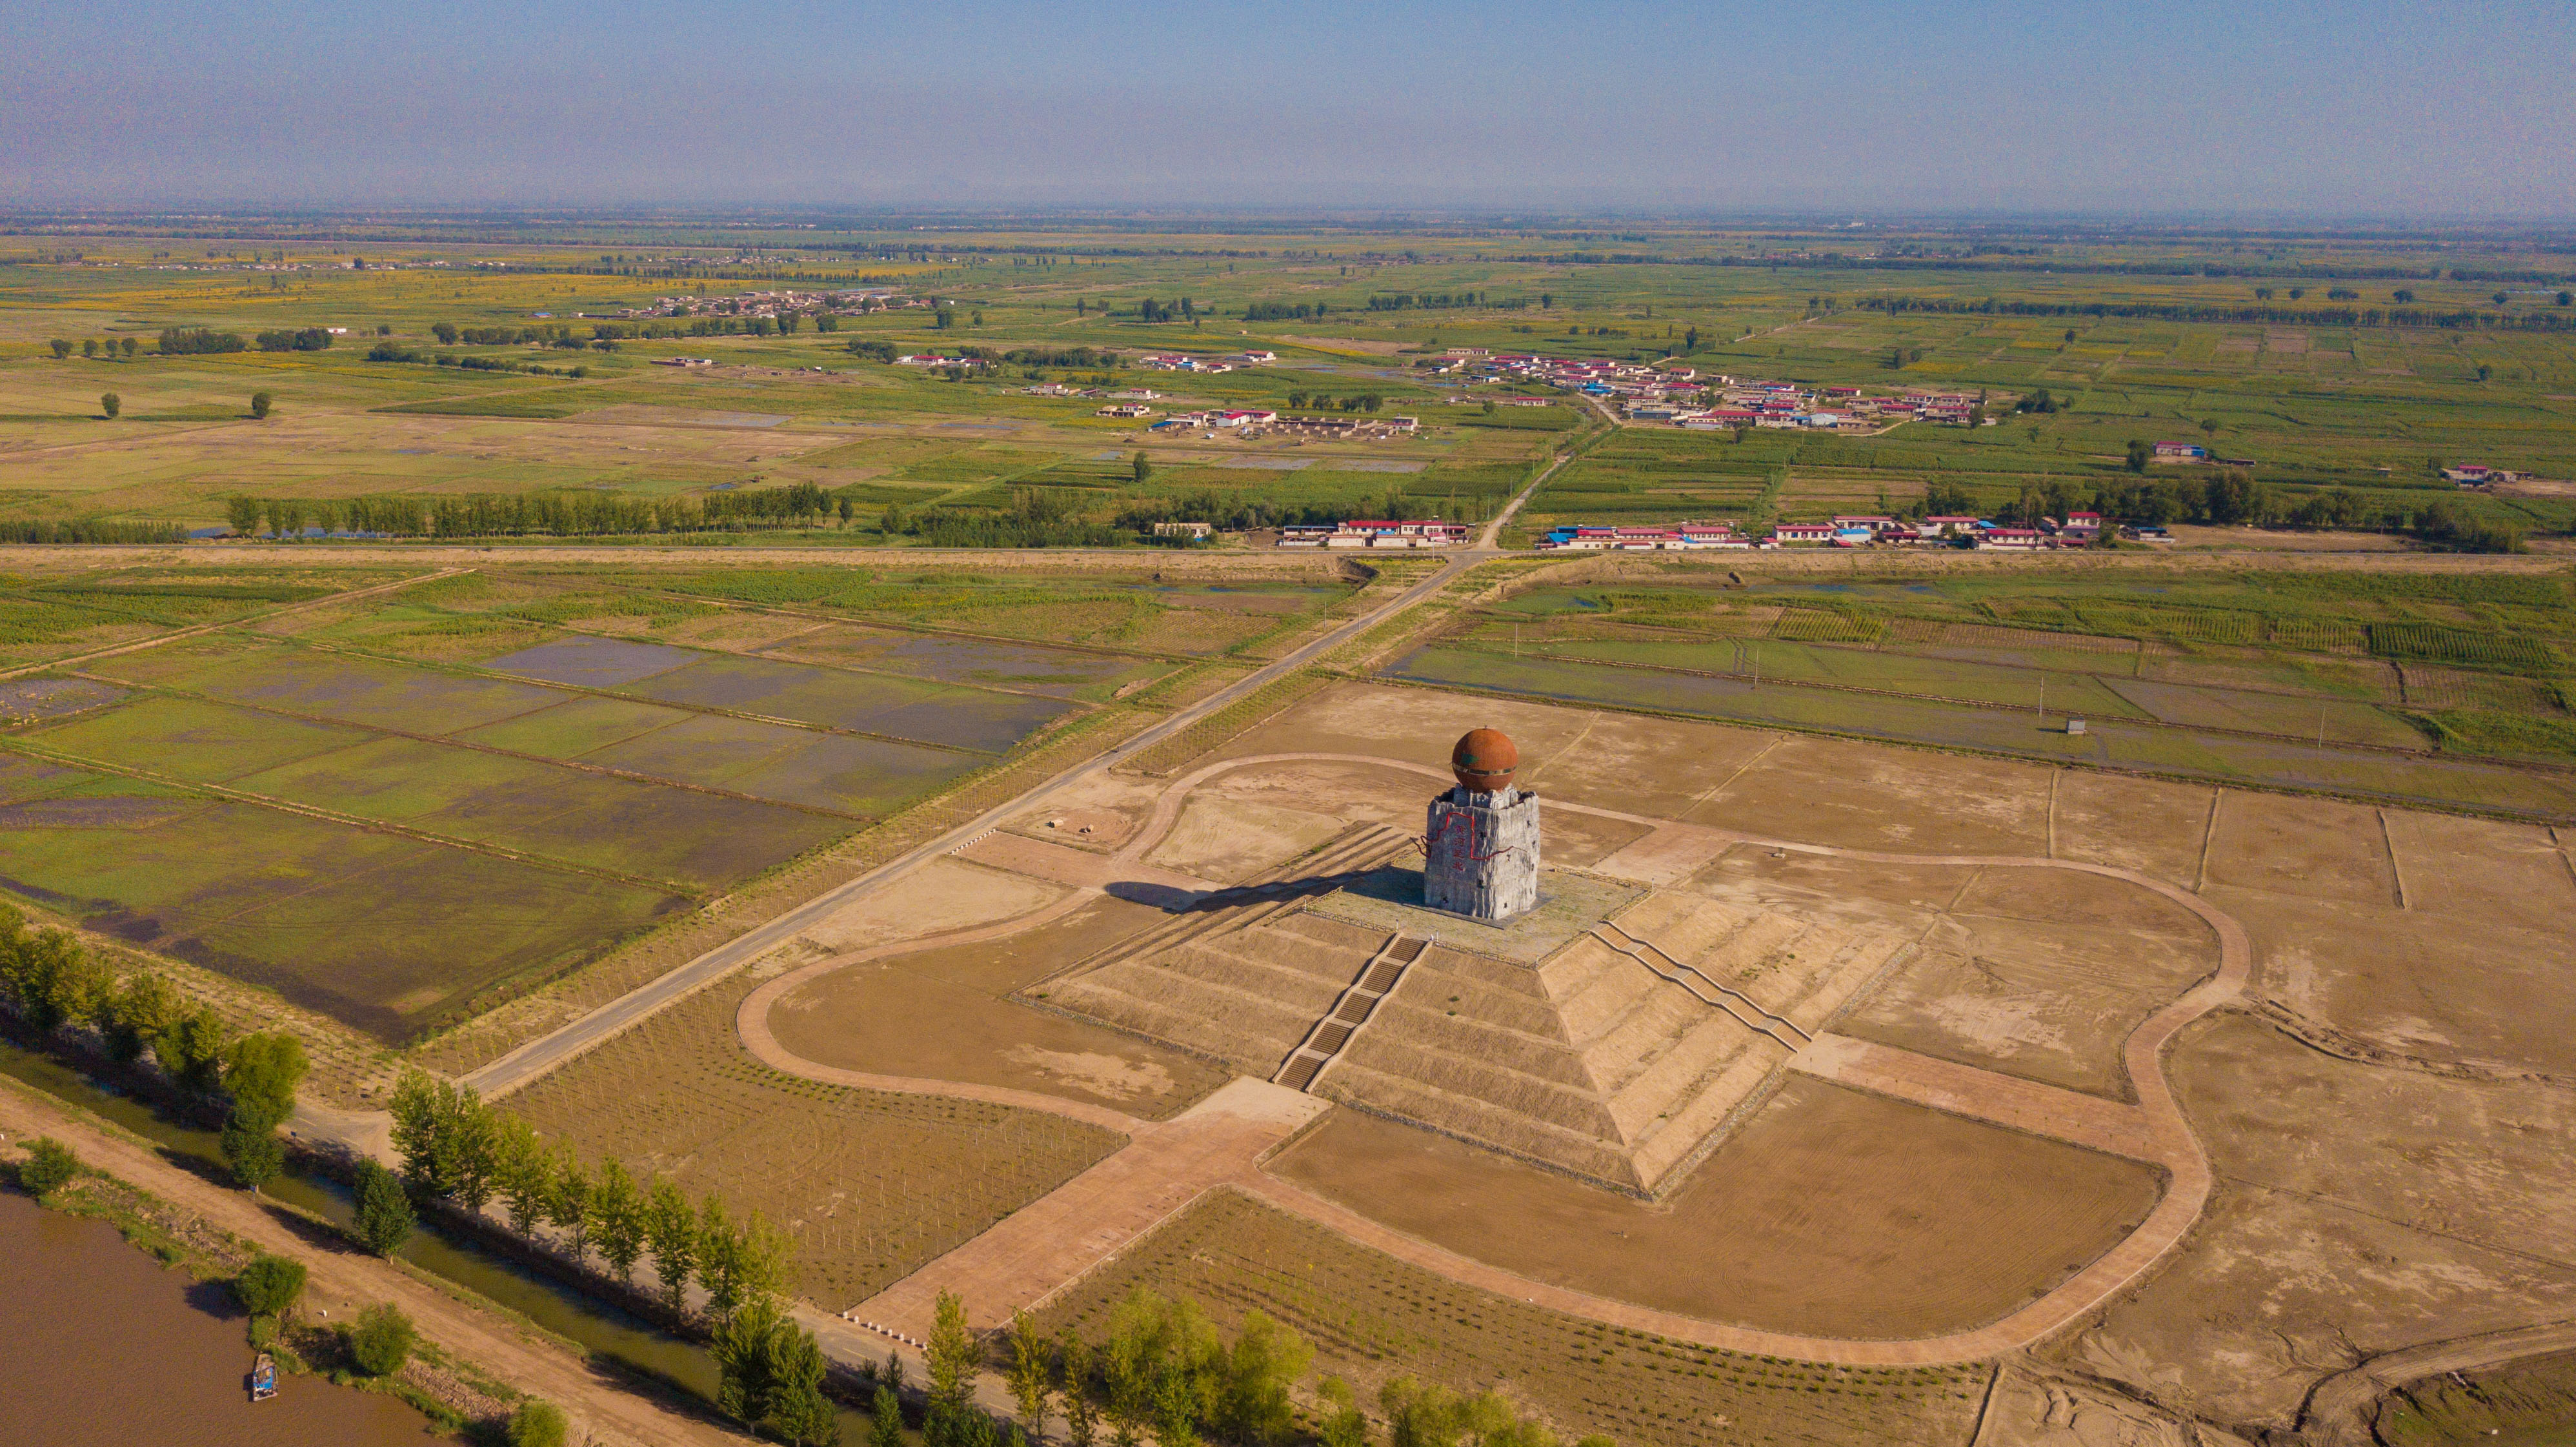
point(2267, 678)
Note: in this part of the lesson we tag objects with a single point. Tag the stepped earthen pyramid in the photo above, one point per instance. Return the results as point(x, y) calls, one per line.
point(1617, 1057)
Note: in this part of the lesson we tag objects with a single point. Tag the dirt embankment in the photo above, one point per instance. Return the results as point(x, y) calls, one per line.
point(509, 1350)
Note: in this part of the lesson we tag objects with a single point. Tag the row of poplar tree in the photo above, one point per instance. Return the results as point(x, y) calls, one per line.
point(52, 984)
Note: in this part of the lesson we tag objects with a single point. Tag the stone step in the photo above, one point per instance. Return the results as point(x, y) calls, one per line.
point(1354, 1080)
point(1659, 1018)
point(1496, 1083)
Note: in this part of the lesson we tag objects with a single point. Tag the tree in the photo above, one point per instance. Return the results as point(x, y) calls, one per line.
point(110, 404)
point(61, 348)
point(55, 980)
point(2567, 298)
point(1073, 1375)
point(139, 1014)
point(1165, 1365)
point(523, 1172)
point(772, 1376)
point(384, 1217)
point(2209, 426)
point(261, 1073)
point(259, 405)
point(1031, 1376)
point(242, 515)
point(719, 1259)
point(799, 1413)
point(48, 1167)
point(445, 332)
point(885, 1419)
point(89, 347)
point(617, 1219)
point(269, 1285)
point(381, 1341)
point(252, 1150)
point(741, 1350)
point(193, 1051)
point(538, 1424)
point(2140, 454)
point(951, 1354)
point(1252, 1403)
point(2233, 497)
point(568, 1202)
point(671, 1232)
point(2402, 296)
point(446, 1137)
point(1343, 1424)
point(1141, 466)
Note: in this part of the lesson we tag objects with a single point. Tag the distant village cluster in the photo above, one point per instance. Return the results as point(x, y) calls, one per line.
point(1685, 397)
point(1183, 362)
point(775, 304)
point(2075, 530)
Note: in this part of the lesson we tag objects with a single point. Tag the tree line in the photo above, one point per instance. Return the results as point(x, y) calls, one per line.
point(2332, 316)
point(1164, 1373)
point(52, 983)
point(1397, 301)
point(557, 514)
point(1281, 311)
point(2231, 497)
point(456, 1148)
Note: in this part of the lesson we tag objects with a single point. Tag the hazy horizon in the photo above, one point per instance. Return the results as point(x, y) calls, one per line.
point(2360, 112)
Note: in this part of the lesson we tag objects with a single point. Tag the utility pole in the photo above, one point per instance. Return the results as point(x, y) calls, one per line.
point(2043, 699)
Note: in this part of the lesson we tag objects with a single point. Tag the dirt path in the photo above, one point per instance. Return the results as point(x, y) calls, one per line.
point(1008, 1267)
point(2336, 1411)
point(1045, 1247)
point(611, 1410)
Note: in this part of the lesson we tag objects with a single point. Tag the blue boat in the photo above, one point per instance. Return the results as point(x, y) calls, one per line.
point(263, 1378)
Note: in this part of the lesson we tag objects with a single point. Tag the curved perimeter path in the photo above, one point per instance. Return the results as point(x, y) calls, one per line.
point(1221, 1142)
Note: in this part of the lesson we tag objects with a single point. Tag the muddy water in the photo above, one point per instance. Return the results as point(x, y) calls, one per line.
point(110, 1348)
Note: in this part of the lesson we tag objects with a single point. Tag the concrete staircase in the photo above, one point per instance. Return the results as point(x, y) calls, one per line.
point(1377, 980)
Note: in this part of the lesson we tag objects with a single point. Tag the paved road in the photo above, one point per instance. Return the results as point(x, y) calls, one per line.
point(538, 1056)
point(1140, 1183)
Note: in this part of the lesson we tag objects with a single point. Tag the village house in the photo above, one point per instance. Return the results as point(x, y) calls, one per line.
point(1415, 533)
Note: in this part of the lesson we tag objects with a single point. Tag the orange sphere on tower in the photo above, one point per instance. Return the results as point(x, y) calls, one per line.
point(1484, 761)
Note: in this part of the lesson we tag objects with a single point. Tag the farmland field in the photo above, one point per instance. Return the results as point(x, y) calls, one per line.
point(235, 797)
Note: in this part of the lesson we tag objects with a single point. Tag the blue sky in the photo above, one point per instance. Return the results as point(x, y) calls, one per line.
point(2146, 109)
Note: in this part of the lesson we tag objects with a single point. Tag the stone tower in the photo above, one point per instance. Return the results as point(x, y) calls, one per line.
point(1481, 845)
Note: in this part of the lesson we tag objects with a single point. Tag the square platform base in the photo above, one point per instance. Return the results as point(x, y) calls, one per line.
point(1568, 904)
